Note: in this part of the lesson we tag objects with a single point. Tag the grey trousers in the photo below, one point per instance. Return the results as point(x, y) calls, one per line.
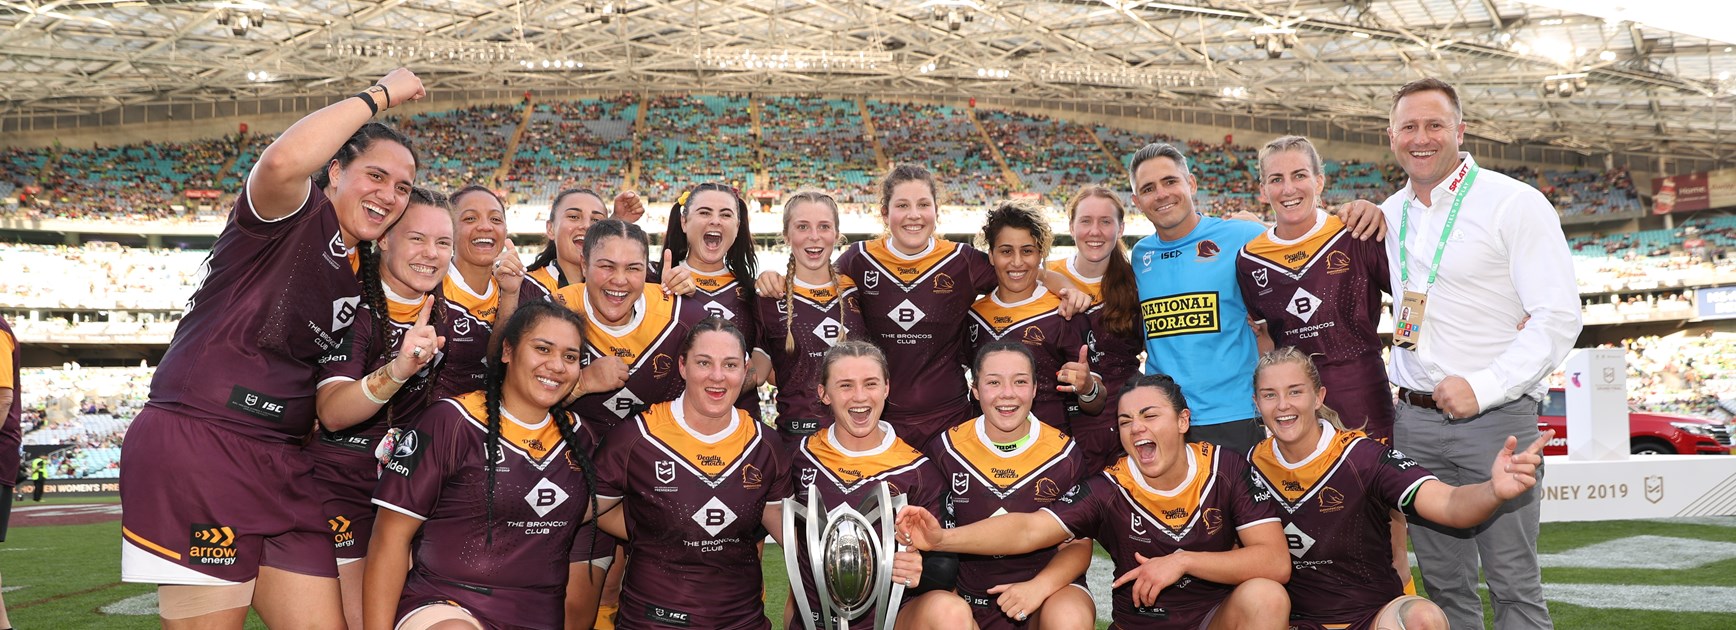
point(1460, 452)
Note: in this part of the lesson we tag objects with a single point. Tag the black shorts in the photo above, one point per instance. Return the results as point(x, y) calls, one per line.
point(6, 511)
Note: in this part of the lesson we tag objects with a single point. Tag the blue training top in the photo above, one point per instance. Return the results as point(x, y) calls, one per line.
point(1196, 327)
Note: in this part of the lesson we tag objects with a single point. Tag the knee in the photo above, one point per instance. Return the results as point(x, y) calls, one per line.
point(1416, 613)
point(1260, 598)
point(947, 610)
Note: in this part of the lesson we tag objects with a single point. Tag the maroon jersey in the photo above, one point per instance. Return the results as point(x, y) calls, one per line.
point(277, 300)
point(915, 308)
point(12, 432)
point(844, 477)
point(693, 505)
point(984, 481)
point(649, 345)
point(1321, 294)
point(437, 475)
point(1126, 516)
point(549, 278)
point(1115, 359)
point(359, 361)
point(1335, 507)
point(817, 318)
point(1035, 322)
point(720, 295)
point(471, 317)
point(344, 462)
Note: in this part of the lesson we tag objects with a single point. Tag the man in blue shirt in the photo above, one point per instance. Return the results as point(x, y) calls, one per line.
point(1196, 325)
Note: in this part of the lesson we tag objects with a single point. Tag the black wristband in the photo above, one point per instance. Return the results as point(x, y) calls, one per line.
point(386, 92)
point(373, 108)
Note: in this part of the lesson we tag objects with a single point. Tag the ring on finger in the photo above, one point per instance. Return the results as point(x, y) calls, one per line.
point(1020, 616)
point(417, 353)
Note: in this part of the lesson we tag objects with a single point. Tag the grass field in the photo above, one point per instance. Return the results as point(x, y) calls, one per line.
point(65, 576)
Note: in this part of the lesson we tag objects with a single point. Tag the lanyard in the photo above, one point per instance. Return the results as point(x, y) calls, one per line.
point(1446, 231)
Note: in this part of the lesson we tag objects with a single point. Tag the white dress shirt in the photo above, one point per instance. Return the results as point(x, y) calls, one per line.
point(1506, 259)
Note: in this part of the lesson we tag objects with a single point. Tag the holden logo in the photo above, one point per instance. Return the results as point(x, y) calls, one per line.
point(1260, 277)
point(871, 278)
point(665, 471)
point(462, 326)
point(406, 446)
point(344, 311)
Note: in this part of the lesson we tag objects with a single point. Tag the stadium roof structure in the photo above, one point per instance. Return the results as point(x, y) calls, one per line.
point(1596, 77)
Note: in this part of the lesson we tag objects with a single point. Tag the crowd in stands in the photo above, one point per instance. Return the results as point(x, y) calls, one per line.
point(1682, 373)
point(696, 138)
point(799, 142)
point(1051, 157)
point(819, 143)
point(944, 138)
point(98, 275)
point(85, 411)
point(458, 147)
point(584, 143)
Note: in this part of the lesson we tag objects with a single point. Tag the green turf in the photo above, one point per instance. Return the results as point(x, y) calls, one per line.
point(69, 572)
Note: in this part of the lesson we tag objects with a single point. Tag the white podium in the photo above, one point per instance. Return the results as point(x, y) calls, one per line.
point(1598, 481)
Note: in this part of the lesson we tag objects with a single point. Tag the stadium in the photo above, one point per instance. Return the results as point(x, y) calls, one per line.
point(127, 131)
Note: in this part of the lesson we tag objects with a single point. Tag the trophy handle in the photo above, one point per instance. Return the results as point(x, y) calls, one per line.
point(816, 526)
point(886, 609)
point(792, 568)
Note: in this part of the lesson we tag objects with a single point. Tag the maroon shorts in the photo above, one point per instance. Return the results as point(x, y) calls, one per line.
point(1364, 623)
point(1191, 616)
point(495, 607)
point(347, 479)
point(989, 616)
point(203, 505)
point(590, 543)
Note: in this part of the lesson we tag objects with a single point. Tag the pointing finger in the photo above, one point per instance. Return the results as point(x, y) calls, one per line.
point(1536, 448)
point(427, 307)
point(667, 261)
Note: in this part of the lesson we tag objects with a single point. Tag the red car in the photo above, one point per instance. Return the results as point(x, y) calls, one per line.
point(1649, 433)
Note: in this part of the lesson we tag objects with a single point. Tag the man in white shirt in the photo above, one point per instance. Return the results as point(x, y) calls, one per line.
point(1477, 254)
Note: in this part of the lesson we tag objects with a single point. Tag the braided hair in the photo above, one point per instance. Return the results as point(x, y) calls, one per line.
point(494, 378)
point(741, 259)
point(368, 273)
point(803, 197)
point(551, 251)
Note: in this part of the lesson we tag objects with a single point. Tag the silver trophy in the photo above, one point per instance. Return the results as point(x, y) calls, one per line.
point(849, 556)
